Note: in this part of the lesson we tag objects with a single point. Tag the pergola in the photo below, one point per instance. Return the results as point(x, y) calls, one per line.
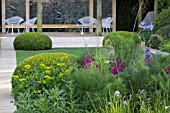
point(91, 7)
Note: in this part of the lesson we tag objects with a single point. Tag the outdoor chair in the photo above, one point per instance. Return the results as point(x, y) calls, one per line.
point(106, 24)
point(147, 22)
point(30, 23)
point(87, 22)
point(14, 21)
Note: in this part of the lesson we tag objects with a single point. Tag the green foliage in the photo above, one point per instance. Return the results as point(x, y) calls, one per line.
point(165, 46)
point(162, 19)
point(32, 41)
point(155, 41)
point(42, 71)
point(145, 35)
point(164, 31)
point(94, 83)
point(122, 41)
point(163, 4)
point(54, 100)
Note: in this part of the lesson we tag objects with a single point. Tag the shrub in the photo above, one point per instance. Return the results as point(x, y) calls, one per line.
point(165, 46)
point(122, 41)
point(164, 31)
point(111, 38)
point(42, 71)
point(162, 19)
point(32, 41)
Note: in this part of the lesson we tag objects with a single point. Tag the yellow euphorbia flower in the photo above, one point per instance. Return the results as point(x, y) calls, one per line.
point(27, 66)
point(39, 82)
point(22, 79)
point(48, 72)
point(47, 67)
point(61, 75)
point(39, 91)
point(44, 82)
point(48, 77)
point(15, 76)
point(42, 65)
point(67, 71)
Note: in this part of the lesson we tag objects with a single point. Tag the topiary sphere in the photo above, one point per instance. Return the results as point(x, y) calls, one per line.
point(42, 71)
point(120, 38)
point(32, 41)
point(162, 19)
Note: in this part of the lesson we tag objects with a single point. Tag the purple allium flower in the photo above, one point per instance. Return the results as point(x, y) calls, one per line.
point(117, 62)
point(84, 60)
point(121, 69)
point(114, 70)
point(97, 65)
point(168, 70)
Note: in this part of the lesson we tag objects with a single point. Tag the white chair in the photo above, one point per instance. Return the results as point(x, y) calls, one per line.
point(147, 22)
point(87, 22)
point(14, 21)
point(106, 24)
point(29, 23)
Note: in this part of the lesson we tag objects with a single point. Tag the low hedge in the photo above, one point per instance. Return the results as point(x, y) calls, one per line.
point(42, 71)
point(32, 41)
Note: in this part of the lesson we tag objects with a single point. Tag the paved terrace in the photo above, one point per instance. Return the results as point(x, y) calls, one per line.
point(8, 59)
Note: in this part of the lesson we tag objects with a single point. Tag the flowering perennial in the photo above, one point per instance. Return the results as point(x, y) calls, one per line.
point(87, 60)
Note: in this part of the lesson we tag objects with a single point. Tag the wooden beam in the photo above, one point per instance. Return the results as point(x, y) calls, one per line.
point(91, 13)
point(3, 16)
point(55, 26)
point(114, 15)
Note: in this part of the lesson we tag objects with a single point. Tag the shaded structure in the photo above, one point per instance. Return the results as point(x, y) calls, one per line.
point(56, 12)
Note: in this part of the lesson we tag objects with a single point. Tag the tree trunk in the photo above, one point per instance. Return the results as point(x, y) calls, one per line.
point(140, 12)
point(99, 18)
point(39, 15)
point(156, 7)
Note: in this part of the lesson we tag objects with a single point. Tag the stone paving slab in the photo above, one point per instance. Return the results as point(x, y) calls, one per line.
point(7, 66)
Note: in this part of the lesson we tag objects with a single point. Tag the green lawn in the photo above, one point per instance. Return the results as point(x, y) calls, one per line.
point(21, 54)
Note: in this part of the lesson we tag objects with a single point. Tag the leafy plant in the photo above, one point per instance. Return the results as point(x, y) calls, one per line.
point(54, 100)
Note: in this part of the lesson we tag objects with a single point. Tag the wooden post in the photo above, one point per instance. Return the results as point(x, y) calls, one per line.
point(141, 2)
point(91, 12)
point(39, 16)
point(3, 16)
point(156, 7)
point(99, 18)
point(114, 15)
point(27, 10)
